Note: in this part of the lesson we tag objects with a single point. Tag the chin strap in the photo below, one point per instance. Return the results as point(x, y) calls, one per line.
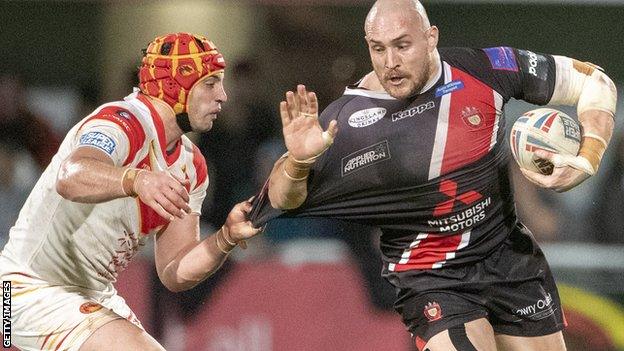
point(183, 122)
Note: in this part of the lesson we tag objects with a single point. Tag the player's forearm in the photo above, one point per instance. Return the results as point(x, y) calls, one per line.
point(286, 192)
point(89, 181)
point(597, 127)
point(597, 122)
point(193, 266)
point(594, 94)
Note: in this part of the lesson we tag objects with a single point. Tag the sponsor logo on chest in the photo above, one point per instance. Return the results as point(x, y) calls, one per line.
point(365, 157)
point(413, 111)
point(449, 88)
point(365, 118)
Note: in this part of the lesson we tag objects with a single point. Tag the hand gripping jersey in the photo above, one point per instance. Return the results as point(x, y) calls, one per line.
point(87, 245)
point(431, 171)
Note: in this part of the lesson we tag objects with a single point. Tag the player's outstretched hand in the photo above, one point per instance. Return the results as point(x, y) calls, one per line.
point(238, 227)
point(303, 135)
point(569, 171)
point(163, 193)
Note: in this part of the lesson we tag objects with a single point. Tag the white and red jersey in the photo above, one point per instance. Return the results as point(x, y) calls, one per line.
point(87, 245)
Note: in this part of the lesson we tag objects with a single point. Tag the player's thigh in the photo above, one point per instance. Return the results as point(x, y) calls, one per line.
point(550, 342)
point(120, 335)
point(471, 336)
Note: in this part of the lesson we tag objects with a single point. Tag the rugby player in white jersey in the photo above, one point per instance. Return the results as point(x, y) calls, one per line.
point(122, 174)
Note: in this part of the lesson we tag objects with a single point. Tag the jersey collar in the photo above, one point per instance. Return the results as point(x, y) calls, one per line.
point(171, 157)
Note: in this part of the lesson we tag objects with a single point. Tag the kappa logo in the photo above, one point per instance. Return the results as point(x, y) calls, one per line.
point(411, 112)
point(433, 311)
point(534, 64)
point(365, 157)
point(365, 118)
point(123, 113)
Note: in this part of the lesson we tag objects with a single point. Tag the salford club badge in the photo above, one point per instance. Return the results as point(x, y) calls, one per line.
point(432, 311)
point(472, 117)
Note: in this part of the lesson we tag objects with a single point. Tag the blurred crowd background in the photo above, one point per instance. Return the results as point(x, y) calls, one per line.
point(61, 59)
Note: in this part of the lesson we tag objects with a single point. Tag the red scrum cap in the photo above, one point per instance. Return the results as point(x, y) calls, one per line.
point(173, 63)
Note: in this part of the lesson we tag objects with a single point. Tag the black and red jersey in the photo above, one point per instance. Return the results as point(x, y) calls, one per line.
point(430, 171)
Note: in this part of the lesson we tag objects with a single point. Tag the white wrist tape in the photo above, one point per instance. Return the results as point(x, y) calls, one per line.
point(576, 162)
point(584, 85)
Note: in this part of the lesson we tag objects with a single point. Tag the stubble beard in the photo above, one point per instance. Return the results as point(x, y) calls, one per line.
point(417, 86)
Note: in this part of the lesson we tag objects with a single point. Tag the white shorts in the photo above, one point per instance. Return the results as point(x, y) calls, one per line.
point(57, 317)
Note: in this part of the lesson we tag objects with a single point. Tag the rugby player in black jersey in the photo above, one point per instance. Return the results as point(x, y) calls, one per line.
point(419, 150)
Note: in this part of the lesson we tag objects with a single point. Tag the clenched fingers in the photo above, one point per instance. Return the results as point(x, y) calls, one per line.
point(535, 178)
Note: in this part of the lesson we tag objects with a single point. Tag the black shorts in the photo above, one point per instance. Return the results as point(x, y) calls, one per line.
point(512, 287)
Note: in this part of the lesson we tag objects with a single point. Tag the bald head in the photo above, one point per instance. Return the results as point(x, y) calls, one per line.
point(402, 45)
point(405, 11)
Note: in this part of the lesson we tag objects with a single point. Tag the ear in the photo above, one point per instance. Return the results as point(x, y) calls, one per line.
point(432, 38)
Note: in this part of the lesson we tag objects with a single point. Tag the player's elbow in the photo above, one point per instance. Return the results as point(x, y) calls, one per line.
point(64, 183)
point(176, 281)
point(180, 284)
point(176, 288)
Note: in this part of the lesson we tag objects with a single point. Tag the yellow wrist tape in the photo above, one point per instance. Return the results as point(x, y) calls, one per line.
point(296, 170)
point(592, 149)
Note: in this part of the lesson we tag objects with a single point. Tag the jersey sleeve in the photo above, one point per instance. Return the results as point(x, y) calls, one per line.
point(513, 73)
point(114, 131)
point(199, 186)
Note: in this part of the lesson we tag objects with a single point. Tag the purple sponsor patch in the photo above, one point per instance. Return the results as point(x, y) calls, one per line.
point(502, 58)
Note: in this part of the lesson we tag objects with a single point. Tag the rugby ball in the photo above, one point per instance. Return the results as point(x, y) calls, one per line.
point(543, 129)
